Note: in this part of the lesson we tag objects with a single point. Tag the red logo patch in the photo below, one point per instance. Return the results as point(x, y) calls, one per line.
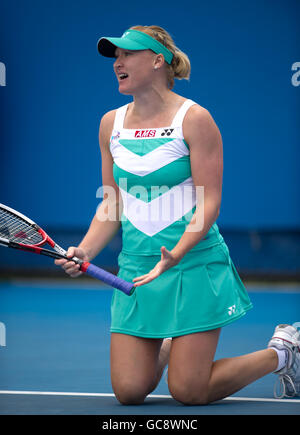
point(145, 133)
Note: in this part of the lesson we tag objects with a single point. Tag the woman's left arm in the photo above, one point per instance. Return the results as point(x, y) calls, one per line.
point(206, 155)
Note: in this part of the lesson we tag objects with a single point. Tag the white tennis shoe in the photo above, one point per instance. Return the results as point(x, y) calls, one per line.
point(287, 337)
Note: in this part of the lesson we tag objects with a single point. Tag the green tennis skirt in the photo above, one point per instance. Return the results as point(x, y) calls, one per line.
point(202, 292)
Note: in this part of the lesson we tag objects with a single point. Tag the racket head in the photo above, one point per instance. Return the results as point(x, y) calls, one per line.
point(18, 231)
point(15, 228)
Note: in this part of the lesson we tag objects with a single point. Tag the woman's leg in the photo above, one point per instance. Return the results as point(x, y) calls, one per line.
point(194, 378)
point(136, 366)
point(230, 375)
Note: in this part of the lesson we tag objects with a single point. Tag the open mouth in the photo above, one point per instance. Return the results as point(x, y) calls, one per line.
point(123, 76)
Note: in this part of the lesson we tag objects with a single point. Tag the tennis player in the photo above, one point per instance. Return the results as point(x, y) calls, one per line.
point(162, 160)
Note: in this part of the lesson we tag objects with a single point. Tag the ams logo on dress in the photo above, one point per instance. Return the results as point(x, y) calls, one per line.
point(145, 133)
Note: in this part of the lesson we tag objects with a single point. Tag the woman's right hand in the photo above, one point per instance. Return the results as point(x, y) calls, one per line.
point(70, 267)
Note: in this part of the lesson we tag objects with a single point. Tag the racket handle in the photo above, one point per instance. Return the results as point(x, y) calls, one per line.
point(94, 271)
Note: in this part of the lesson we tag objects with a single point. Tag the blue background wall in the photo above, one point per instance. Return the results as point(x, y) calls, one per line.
point(58, 88)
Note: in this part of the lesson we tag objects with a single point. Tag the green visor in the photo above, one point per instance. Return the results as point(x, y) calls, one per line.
point(133, 40)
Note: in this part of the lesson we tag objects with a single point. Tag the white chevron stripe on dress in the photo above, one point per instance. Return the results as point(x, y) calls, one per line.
point(156, 215)
point(154, 160)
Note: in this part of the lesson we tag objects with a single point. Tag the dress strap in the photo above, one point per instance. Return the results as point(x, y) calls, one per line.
point(178, 118)
point(119, 117)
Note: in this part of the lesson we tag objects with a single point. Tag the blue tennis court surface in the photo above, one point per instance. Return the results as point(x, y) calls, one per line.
point(54, 351)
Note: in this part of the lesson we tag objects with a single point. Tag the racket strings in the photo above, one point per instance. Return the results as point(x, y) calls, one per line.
point(15, 229)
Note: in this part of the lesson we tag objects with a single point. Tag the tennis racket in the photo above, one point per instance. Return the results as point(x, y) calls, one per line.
point(19, 232)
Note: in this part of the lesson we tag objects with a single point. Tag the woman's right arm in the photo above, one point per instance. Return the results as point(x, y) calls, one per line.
point(106, 221)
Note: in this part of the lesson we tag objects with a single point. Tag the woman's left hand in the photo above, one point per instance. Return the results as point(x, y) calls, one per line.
point(167, 261)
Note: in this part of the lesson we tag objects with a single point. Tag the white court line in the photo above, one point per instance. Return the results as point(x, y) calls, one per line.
point(156, 396)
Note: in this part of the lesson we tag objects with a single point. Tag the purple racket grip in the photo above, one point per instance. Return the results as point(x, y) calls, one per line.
point(113, 280)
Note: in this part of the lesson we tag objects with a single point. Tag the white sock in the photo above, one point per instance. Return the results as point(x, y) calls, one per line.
point(282, 358)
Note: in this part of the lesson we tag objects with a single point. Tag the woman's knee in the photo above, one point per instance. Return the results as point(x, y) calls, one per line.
point(133, 367)
point(188, 393)
point(128, 393)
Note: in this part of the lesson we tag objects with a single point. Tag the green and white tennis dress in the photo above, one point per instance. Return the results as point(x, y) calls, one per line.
point(203, 291)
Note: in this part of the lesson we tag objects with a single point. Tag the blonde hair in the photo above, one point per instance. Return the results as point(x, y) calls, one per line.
point(180, 67)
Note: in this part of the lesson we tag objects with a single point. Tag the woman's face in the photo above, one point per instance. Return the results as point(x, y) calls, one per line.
point(134, 70)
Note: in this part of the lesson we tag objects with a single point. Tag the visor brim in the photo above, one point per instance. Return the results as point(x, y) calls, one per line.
point(107, 46)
